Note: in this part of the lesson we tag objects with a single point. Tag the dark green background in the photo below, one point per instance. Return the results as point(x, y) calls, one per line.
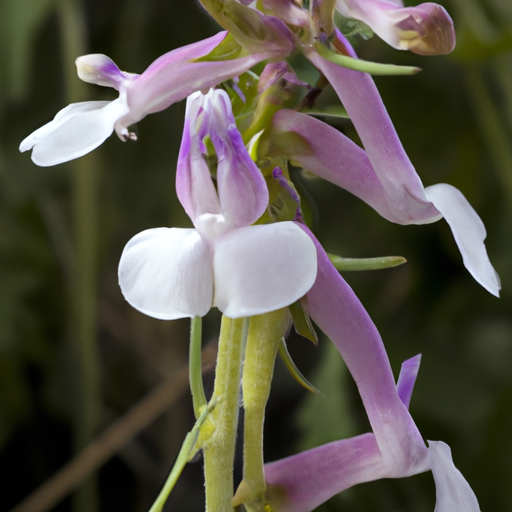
point(62, 230)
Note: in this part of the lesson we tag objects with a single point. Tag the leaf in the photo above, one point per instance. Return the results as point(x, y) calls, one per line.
point(292, 368)
point(373, 68)
point(366, 263)
point(335, 111)
point(228, 49)
point(302, 322)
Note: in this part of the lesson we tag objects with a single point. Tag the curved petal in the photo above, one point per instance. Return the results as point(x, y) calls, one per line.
point(242, 189)
point(167, 273)
point(335, 158)
point(468, 231)
point(176, 75)
point(453, 492)
point(99, 69)
point(400, 181)
point(61, 117)
point(241, 195)
point(194, 186)
point(334, 307)
point(303, 482)
point(425, 29)
point(262, 268)
point(407, 379)
point(75, 131)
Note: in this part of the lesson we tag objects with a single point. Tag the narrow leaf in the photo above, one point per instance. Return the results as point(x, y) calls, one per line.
point(228, 49)
point(366, 263)
point(302, 322)
point(186, 454)
point(374, 68)
point(292, 368)
point(336, 111)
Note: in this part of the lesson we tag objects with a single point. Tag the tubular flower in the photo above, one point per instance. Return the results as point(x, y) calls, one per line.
point(381, 174)
point(82, 127)
point(426, 29)
point(395, 449)
point(242, 269)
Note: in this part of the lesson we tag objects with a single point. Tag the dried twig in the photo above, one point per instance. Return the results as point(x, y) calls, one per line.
point(108, 443)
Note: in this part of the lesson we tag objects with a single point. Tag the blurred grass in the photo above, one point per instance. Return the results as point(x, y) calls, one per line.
point(455, 120)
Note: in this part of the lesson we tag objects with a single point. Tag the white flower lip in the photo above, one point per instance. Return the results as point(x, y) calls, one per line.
point(75, 131)
point(453, 493)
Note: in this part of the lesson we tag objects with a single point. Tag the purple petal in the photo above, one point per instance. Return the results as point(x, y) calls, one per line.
point(407, 379)
point(337, 311)
point(334, 157)
point(399, 179)
point(288, 11)
point(194, 185)
point(242, 191)
point(302, 482)
point(101, 70)
point(426, 29)
point(174, 76)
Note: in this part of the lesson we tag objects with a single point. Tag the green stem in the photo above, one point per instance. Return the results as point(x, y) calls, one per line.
point(265, 333)
point(195, 371)
point(186, 453)
point(218, 434)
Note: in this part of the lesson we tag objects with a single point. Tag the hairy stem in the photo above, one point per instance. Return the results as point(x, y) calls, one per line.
point(265, 333)
point(218, 434)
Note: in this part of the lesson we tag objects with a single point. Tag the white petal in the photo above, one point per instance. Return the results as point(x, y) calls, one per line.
point(167, 273)
point(262, 268)
point(453, 493)
point(468, 231)
point(61, 116)
point(75, 131)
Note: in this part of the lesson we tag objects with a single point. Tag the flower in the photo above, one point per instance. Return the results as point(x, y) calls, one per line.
point(81, 127)
point(242, 269)
point(381, 174)
point(426, 29)
point(395, 449)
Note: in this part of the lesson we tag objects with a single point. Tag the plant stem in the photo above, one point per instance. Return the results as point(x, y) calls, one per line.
point(265, 333)
point(218, 434)
point(195, 372)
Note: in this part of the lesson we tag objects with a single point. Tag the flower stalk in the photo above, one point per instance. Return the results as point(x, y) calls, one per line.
point(195, 373)
point(218, 434)
point(265, 333)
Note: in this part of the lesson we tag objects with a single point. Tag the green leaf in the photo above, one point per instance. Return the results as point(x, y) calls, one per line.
point(374, 68)
point(366, 263)
point(185, 455)
point(334, 111)
point(228, 49)
point(302, 322)
point(292, 368)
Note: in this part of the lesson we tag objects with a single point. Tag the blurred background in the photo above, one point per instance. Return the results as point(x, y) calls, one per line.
point(75, 358)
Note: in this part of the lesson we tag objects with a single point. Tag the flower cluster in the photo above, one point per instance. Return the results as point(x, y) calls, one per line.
point(250, 252)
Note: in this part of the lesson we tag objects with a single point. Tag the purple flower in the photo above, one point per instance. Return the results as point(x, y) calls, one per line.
point(81, 127)
point(381, 174)
point(395, 449)
point(225, 261)
point(426, 29)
